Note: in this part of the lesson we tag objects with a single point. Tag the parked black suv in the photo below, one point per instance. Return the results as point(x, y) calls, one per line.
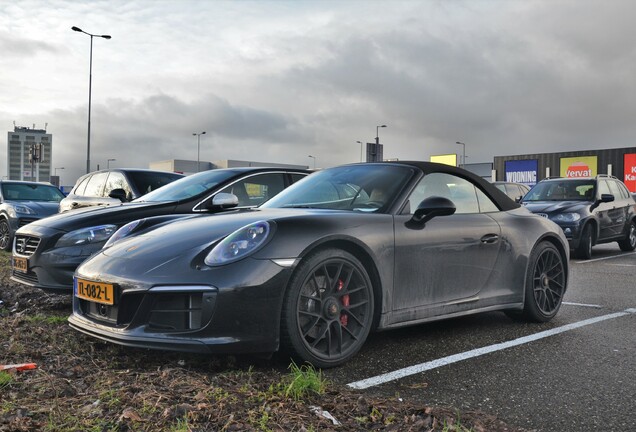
point(589, 210)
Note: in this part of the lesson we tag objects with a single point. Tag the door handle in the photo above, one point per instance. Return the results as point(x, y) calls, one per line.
point(490, 238)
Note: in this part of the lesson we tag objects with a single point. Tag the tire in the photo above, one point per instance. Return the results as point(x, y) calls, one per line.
point(584, 250)
point(628, 244)
point(328, 309)
point(545, 283)
point(6, 242)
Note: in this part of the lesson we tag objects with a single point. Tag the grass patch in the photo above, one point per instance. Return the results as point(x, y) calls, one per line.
point(46, 319)
point(303, 381)
point(5, 379)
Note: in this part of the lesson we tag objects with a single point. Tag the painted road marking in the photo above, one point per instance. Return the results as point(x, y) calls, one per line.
point(583, 305)
point(422, 367)
point(604, 258)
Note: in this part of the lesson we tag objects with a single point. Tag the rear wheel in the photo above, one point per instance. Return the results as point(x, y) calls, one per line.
point(545, 283)
point(628, 244)
point(584, 250)
point(328, 309)
point(5, 235)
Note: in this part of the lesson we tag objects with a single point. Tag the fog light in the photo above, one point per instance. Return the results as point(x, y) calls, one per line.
point(567, 231)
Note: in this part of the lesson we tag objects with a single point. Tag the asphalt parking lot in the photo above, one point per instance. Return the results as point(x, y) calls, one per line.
point(575, 373)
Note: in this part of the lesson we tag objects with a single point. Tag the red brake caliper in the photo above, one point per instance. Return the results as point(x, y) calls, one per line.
point(344, 319)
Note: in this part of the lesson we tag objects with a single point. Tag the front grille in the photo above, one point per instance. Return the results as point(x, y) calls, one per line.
point(543, 215)
point(176, 312)
point(29, 278)
point(25, 221)
point(26, 245)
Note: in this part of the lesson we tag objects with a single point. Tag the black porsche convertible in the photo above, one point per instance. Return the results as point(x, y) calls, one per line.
point(343, 252)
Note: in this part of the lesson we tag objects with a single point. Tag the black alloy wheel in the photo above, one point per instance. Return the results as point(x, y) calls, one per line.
point(628, 244)
point(328, 309)
point(584, 250)
point(5, 235)
point(545, 283)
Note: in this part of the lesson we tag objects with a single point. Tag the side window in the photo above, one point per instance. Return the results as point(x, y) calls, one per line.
point(95, 185)
point(116, 180)
point(486, 205)
point(296, 177)
point(79, 188)
point(603, 187)
point(257, 189)
point(624, 193)
point(614, 190)
point(461, 192)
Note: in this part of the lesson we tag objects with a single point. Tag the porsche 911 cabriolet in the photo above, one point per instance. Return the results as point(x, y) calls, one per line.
point(343, 252)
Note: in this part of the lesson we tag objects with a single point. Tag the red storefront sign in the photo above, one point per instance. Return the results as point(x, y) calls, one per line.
point(630, 172)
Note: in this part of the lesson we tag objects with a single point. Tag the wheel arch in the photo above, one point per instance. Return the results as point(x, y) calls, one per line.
point(594, 224)
point(365, 257)
point(563, 251)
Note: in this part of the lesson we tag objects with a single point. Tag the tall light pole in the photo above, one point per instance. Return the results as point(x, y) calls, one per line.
point(314, 158)
point(90, 83)
point(463, 153)
point(198, 135)
point(108, 163)
point(360, 142)
point(377, 136)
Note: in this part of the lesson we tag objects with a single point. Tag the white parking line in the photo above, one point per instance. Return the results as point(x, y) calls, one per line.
point(604, 258)
point(422, 367)
point(583, 305)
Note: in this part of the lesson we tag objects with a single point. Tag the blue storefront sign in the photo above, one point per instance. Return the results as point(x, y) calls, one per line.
point(522, 171)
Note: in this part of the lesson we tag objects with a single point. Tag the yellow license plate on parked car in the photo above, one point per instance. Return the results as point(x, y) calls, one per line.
point(20, 264)
point(95, 291)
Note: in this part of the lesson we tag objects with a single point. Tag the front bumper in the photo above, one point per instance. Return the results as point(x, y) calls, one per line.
point(238, 313)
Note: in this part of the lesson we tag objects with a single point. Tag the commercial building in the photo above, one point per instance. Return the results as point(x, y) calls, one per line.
point(531, 168)
point(29, 153)
point(188, 167)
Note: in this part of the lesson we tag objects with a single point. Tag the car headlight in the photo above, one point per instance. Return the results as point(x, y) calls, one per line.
point(83, 236)
point(13, 209)
point(239, 244)
point(567, 217)
point(122, 232)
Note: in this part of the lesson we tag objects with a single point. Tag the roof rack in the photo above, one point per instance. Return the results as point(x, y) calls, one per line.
point(606, 176)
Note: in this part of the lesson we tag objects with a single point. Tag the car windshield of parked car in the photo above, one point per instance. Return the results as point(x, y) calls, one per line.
point(566, 190)
point(188, 187)
point(31, 192)
point(365, 188)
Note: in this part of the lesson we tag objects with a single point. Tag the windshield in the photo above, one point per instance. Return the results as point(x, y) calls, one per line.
point(188, 187)
point(31, 192)
point(365, 188)
point(566, 190)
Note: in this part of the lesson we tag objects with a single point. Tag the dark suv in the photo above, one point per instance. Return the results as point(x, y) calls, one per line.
point(589, 210)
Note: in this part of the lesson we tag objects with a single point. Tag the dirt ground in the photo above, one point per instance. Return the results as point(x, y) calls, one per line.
point(82, 384)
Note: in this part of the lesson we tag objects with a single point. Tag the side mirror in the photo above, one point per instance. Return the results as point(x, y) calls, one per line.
point(119, 194)
point(432, 207)
point(605, 198)
point(222, 201)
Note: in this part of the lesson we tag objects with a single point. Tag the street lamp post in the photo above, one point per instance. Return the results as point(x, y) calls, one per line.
point(463, 153)
point(108, 163)
point(377, 136)
point(360, 142)
point(198, 135)
point(90, 84)
point(314, 158)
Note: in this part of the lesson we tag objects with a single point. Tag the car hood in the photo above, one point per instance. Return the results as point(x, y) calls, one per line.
point(555, 206)
point(41, 208)
point(91, 215)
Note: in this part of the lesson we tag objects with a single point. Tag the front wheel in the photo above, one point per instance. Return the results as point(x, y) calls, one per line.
point(5, 235)
point(545, 283)
point(584, 250)
point(328, 309)
point(628, 244)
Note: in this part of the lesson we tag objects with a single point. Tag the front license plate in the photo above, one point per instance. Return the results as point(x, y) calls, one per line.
point(95, 291)
point(20, 264)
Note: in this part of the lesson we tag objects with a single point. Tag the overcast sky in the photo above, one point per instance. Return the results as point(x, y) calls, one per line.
point(276, 81)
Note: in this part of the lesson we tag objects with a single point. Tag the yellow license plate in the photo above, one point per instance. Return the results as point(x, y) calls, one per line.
point(20, 264)
point(95, 291)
